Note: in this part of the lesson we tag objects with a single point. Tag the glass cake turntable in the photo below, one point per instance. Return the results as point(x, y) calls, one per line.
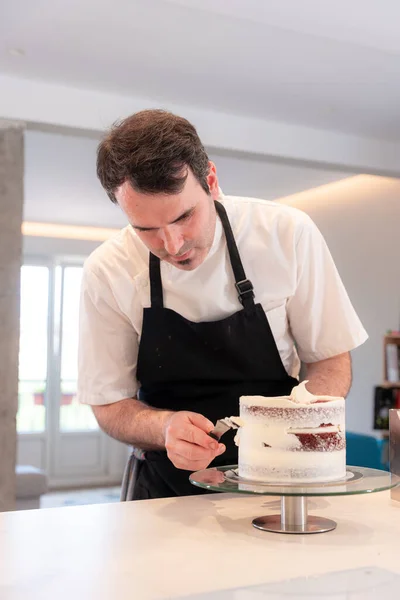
point(294, 517)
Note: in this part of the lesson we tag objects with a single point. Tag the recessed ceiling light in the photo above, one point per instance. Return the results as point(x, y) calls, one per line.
point(16, 52)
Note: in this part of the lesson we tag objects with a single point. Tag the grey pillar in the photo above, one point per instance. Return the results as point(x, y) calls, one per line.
point(11, 207)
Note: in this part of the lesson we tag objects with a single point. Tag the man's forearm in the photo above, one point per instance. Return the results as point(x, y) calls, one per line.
point(330, 377)
point(132, 422)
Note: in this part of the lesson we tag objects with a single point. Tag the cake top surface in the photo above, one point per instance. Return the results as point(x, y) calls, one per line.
point(299, 396)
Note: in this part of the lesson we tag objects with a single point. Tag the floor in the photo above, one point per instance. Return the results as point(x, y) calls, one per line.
point(80, 497)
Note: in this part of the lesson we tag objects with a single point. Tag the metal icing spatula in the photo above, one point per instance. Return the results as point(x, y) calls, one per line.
point(222, 426)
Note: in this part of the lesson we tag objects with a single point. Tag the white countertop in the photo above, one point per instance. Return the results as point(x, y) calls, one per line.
point(173, 548)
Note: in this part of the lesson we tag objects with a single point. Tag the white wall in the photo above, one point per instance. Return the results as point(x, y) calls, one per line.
point(244, 175)
point(359, 219)
point(61, 184)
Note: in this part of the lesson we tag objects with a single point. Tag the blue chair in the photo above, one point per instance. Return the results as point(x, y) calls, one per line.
point(366, 451)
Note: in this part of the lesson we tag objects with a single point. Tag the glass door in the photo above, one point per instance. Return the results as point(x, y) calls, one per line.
point(73, 416)
point(80, 448)
point(33, 353)
point(55, 432)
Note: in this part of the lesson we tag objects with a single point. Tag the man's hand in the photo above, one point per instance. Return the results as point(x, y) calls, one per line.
point(187, 443)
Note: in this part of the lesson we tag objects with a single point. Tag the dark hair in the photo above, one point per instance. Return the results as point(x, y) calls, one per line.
point(153, 150)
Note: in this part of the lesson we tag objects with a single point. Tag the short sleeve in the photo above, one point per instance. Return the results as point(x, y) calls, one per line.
point(108, 345)
point(322, 319)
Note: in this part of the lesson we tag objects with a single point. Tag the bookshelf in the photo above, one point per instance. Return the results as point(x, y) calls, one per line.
point(387, 394)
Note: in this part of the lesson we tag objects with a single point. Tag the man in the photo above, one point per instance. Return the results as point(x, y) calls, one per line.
point(201, 299)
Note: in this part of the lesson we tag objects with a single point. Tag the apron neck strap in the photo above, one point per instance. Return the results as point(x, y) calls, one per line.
point(243, 285)
point(156, 293)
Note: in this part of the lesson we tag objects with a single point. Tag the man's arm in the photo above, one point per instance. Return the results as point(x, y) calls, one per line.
point(132, 422)
point(330, 377)
point(183, 434)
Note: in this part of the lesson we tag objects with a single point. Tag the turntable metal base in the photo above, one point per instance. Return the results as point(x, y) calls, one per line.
point(294, 518)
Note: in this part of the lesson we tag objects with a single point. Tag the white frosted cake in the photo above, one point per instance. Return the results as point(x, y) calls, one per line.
point(298, 438)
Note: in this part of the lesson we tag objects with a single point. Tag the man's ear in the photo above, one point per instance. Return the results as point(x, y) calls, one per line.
point(212, 180)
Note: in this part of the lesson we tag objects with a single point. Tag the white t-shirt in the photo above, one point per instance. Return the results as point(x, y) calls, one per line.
point(283, 254)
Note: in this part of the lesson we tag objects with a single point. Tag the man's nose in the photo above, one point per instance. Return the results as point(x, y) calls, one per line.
point(172, 239)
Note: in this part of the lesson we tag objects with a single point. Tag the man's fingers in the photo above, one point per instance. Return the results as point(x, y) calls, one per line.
point(201, 422)
point(194, 435)
point(181, 462)
point(192, 457)
point(221, 449)
point(185, 426)
point(194, 452)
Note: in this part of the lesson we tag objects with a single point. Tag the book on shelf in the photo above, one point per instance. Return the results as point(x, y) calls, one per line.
point(393, 363)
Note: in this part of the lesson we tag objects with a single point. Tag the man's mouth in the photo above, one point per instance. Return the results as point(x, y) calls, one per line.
point(182, 257)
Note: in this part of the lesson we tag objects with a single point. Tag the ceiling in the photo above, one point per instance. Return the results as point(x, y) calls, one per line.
point(331, 65)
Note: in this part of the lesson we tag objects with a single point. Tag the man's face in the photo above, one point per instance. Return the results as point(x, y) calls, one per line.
point(178, 228)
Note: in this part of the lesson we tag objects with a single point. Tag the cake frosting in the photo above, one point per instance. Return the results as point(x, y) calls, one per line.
point(292, 439)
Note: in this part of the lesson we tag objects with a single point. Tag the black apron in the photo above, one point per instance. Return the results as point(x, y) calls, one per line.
point(203, 367)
